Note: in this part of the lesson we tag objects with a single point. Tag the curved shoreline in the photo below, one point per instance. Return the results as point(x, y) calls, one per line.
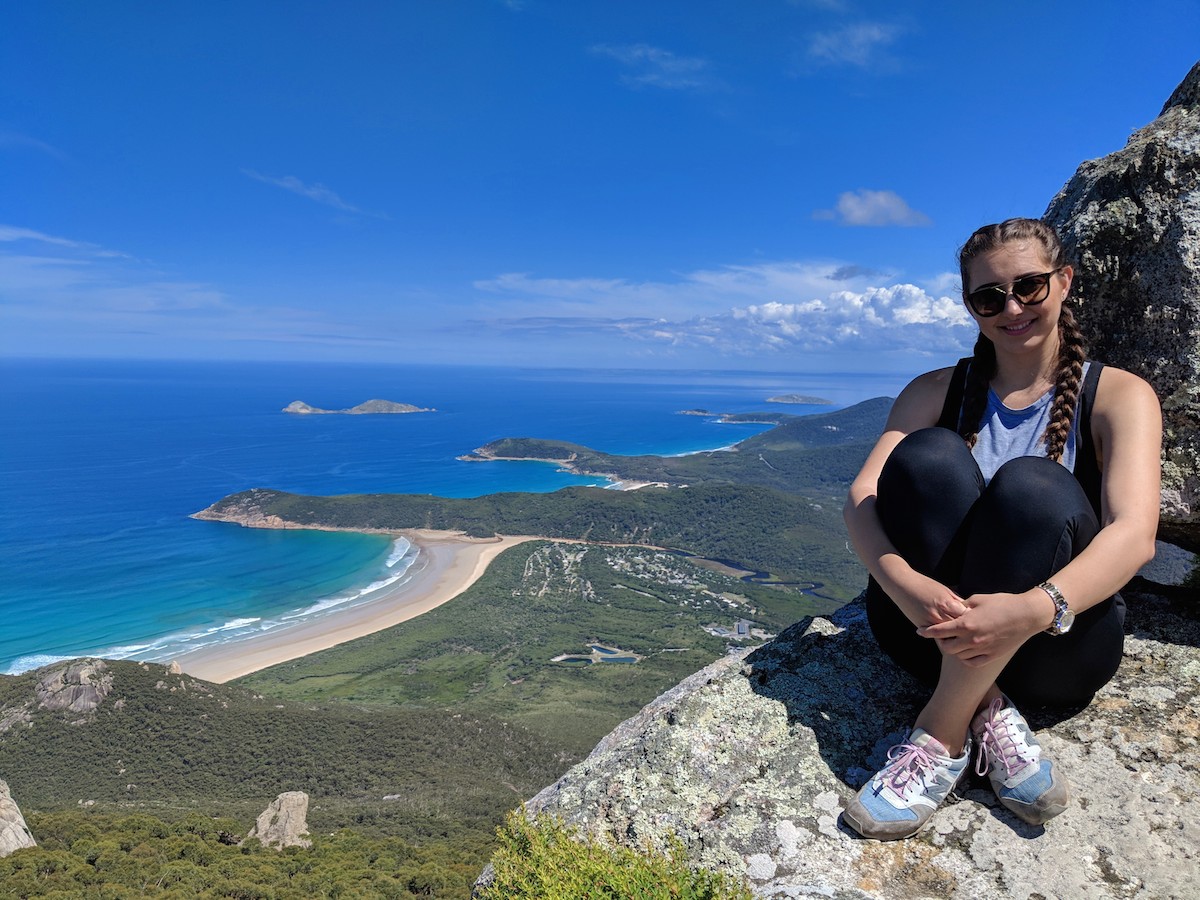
point(453, 562)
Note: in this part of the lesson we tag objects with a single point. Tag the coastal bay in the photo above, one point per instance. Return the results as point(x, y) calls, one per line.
point(447, 564)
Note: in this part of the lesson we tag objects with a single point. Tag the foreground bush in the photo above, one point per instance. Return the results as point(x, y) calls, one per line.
point(103, 856)
point(545, 859)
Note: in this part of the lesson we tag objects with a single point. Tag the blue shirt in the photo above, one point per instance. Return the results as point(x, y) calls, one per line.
point(1007, 433)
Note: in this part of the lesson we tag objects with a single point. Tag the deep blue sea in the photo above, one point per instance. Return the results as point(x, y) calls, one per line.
point(103, 461)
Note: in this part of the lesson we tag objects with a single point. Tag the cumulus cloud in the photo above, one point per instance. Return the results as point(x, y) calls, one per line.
point(647, 66)
point(873, 209)
point(859, 44)
point(317, 192)
point(748, 310)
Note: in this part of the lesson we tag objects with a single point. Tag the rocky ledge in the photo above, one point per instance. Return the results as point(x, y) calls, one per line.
point(751, 761)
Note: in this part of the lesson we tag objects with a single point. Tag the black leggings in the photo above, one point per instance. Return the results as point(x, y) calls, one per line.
point(1028, 522)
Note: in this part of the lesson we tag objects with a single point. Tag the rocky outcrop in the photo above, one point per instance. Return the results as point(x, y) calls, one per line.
point(751, 761)
point(78, 688)
point(14, 834)
point(284, 822)
point(1132, 221)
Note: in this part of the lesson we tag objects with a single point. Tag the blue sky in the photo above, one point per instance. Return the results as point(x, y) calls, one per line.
point(770, 184)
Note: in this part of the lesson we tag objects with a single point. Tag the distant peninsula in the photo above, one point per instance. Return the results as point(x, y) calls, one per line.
point(800, 398)
point(371, 407)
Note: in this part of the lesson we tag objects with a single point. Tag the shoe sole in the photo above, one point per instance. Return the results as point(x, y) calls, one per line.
point(1034, 816)
point(862, 829)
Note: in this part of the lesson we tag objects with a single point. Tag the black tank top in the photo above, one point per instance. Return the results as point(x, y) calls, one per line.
point(1087, 468)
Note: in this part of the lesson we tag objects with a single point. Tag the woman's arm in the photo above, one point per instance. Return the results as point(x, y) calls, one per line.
point(1127, 427)
point(922, 599)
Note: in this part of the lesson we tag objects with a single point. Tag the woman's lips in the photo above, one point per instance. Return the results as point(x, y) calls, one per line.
point(1017, 328)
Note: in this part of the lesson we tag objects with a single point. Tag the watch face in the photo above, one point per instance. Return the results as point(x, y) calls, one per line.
point(1068, 619)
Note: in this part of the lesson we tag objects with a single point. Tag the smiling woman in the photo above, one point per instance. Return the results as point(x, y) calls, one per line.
point(1005, 504)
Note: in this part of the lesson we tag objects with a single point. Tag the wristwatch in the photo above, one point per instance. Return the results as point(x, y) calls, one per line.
point(1063, 617)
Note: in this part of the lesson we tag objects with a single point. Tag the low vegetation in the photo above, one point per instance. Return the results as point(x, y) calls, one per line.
point(110, 856)
point(546, 860)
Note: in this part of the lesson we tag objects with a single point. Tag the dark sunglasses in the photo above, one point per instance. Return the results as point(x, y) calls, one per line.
point(1029, 291)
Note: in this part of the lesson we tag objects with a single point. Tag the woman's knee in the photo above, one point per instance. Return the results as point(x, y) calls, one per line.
point(1033, 489)
point(931, 460)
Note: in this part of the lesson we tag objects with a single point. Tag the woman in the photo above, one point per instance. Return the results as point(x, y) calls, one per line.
point(998, 541)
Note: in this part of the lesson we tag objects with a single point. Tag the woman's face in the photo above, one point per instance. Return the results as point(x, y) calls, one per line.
point(1018, 328)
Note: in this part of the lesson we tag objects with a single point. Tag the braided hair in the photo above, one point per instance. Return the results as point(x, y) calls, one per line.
point(1069, 372)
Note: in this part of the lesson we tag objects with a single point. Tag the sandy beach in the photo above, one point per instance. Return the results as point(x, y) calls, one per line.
point(449, 564)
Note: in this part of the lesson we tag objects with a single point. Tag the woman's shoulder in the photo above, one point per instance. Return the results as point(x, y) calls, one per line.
point(920, 403)
point(1120, 385)
point(931, 384)
point(1122, 395)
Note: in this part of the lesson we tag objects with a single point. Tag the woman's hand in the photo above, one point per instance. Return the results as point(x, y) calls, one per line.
point(925, 601)
point(992, 626)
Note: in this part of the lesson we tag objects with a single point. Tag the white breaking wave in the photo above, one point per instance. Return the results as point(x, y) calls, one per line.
point(399, 567)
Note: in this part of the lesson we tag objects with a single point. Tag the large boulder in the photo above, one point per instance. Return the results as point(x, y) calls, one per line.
point(14, 833)
point(751, 761)
point(79, 687)
point(1132, 222)
point(284, 823)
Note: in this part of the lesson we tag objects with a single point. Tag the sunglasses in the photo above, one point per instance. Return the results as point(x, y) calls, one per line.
point(1029, 291)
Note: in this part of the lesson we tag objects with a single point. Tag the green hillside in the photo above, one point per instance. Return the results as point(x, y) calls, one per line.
point(173, 744)
point(492, 649)
point(797, 456)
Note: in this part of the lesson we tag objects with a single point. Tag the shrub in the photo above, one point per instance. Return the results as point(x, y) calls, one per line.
point(546, 859)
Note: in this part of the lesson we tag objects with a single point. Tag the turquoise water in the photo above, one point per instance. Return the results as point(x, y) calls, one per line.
point(104, 461)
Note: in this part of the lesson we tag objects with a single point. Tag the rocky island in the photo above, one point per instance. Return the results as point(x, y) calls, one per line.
point(371, 407)
point(800, 398)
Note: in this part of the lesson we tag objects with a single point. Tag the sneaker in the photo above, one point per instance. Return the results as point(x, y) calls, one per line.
point(899, 800)
point(1011, 757)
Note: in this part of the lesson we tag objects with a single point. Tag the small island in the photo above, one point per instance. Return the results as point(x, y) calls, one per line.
point(693, 412)
point(371, 407)
point(800, 398)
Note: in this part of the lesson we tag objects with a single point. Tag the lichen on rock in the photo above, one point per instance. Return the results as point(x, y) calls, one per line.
point(751, 761)
point(1131, 220)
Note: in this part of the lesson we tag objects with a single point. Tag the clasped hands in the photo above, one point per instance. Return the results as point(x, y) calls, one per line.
point(979, 628)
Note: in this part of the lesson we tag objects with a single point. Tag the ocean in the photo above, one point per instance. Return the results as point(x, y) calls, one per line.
point(103, 461)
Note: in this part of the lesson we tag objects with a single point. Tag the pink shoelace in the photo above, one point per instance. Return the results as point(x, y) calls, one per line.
point(905, 763)
point(997, 743)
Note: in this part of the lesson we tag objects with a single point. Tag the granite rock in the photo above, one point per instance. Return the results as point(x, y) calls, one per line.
point(751, 761)
point(284, 823)
point(78, 688)
point(14, 834)
point(1131, 220)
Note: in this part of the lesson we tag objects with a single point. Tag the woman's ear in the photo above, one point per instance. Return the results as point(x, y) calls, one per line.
point(1069, 273)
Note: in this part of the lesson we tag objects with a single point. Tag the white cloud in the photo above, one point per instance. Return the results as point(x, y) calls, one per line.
point(875, 209)
point(318, 192)
point(855, 45)
point(747, 310)
point(13, 234)
point(649, 66)
point(24, 142)
point(10, 233)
